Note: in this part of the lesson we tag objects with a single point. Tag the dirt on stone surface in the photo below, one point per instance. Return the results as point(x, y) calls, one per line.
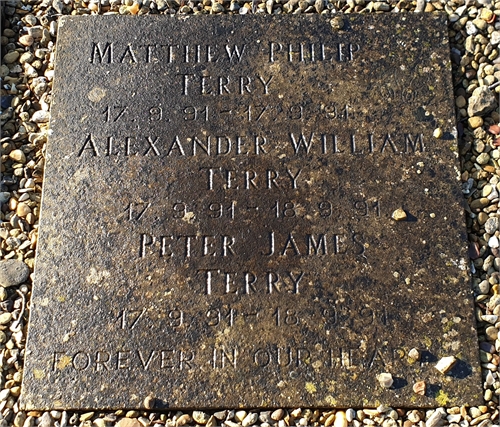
point(28, 40)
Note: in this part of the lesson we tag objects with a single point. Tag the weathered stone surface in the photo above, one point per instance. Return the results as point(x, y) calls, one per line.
point(216, 226)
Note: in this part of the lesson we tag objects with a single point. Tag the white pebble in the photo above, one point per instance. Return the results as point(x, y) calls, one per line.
point(40, 116)
point(493, 242)
point(470, 28)
point(385, 379)
point(445, 364)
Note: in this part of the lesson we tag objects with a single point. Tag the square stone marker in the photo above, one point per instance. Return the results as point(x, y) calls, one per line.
point(217, 223)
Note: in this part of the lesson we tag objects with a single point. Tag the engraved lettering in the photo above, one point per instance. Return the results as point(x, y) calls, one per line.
point(81, 361)
point(410, 143)
point(303, 356)
point(261, 357)
point(353, 145)
point(245, 84)
point(224, 357)
point(235, 53)
point(301, 142)
point(290, 245)
point(320, 244)
point(271, 244)
point(250, 279)
point(346, 53)
point(122, 360)
point(186, 246)
point(295, 280)
point(388, 140)
point(271, 178)
point(128, 319)
point(176, 145)
point(89, 145)
point(185, 357)
point(299, 51)
point(167, 359)
point(227, 245)
point(265, 83)
point(312, 52)
point(312, 245)
point(335, 149)
point(99, 56)
point(294, 177)
point(109, 150)
point(129, 53)
point(273, 48)
point(146, 361)
point(152, 146)
point(224, 85)
point(101, 358)
point(56, 359)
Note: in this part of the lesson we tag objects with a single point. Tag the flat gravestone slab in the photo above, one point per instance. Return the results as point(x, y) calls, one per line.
point(216, 224)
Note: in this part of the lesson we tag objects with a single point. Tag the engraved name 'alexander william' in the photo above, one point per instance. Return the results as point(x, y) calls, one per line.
point(295, 143)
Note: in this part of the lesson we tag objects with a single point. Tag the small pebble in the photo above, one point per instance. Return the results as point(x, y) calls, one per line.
point(5, 318)
point(491, 225)
point(250, 419)
point(86, 416)
point(475, 122)
point(414, 354)
point(40, 116)
point(340, 419)
point(129, 422)
point(26, 40)
point(200, 417)
point(277, 414)
point(183, 420)
point(18, 156)
point(399, 215)
point(11, 57)
point(149, 402)
point(445, 364)
point(419, 388)
point(13, 272)
point(493, 242)
point(385, 380)
point(438, 133)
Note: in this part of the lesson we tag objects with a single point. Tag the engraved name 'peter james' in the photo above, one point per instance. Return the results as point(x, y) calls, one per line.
point(273, 243)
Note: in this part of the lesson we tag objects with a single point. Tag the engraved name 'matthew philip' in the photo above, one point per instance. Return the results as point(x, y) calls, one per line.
point(119, 53)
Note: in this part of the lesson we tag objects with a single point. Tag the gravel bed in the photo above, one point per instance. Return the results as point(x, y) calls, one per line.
point(28, 41)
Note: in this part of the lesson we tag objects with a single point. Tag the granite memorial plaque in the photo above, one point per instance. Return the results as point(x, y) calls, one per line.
point(251, 211)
